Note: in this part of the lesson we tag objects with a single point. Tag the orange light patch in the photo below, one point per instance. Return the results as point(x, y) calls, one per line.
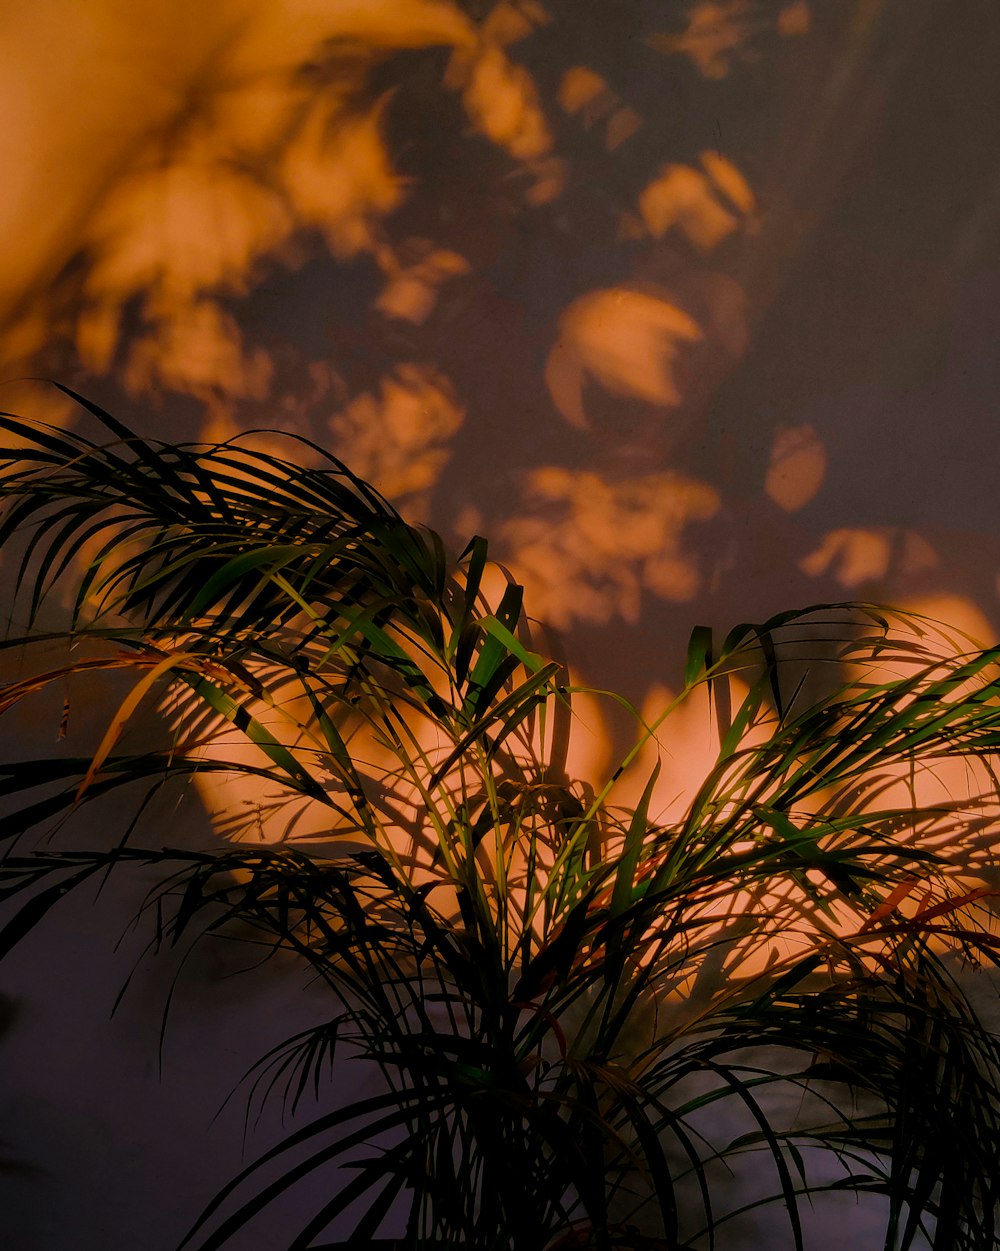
point(502, 103)
point(337, 175)
point(583, 89)
point(165, 177)
point(685, 198)
point(627, 341)
point(686, 745)
point(729, 180)
point(717, 30)
point(197, 349)
point(855, 557)
point(398, 440)
point(512, 20)
point(586, 548)
point(797, 468)
point(622, 125)
point(965, 624)
point(187, 225)
point(411, 292)
point(794, 19)
point(945, 791)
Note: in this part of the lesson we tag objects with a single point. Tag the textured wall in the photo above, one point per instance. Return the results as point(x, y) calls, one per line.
point(690, 307)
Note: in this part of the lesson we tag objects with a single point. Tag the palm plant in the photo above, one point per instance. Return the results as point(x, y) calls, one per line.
point(563, 994)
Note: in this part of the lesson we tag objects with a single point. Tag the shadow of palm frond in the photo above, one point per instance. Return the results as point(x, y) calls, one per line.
point(581, 1012)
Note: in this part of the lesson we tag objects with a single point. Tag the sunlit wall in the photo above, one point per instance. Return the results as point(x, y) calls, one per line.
point(689, 306)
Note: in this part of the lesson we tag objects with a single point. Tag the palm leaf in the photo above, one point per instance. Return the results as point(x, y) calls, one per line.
point(561, 995)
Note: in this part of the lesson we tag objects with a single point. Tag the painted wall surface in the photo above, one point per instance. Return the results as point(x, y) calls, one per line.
point(689, 306)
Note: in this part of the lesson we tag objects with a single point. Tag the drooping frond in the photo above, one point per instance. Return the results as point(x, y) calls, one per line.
point(567, 997)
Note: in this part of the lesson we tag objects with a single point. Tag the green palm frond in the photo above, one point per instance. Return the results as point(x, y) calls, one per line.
point(566, 997)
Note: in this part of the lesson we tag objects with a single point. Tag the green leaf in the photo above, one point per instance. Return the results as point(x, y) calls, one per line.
point(236, 713)
point(699, 656)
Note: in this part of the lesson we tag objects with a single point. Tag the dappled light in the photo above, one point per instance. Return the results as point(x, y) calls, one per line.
point(187, 197)
point(408, 231)
point(859, 558)
point(717, 32)
point(585, 93)
point(796, 471)
point(697, 203)
point(339, 178)
point(400, 438)
point(794, 19)
point(587, 548)
point(953, 620)
point(685, 745)
point(954, 800)
point(406, 795)
point(412, 290)
point(502, 103)
point(627, 341)
point(457, 401)
point(197, 349)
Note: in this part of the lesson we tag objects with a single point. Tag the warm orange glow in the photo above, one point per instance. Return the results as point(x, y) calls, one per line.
point(626, 340)
point(172, 186)
point(860, 558)
point(622, 125)
point(684, 307)
point(411, 292)
point(682, 197)
point(794, 19)
point(261, 129)
point(965, 624)
point(685, 198)
point(339, 178)
point(399, 440)
point(509, 21)
point(585, 94)
point(729, 180)
point(198, 189)
point(686, 745)
point(587, 547)
point(584, 91)
point(797, 468)
point(197, 350)
point(965, 787)
point(716, 30)
point(240, 140)
point(503, 104)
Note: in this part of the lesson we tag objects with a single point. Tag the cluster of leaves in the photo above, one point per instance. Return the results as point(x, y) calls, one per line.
point(563, 995)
